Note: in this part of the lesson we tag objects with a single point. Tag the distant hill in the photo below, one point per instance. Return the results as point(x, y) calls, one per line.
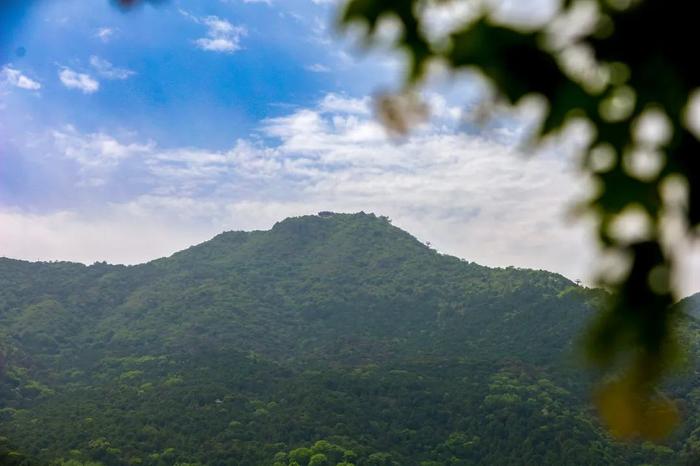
point(252, 347)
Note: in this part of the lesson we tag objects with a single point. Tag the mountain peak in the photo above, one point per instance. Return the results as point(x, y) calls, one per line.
point(309, 238)
point(332, 218)
point(360, 232)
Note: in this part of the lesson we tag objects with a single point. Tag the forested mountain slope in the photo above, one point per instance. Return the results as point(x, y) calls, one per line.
point(252, 347)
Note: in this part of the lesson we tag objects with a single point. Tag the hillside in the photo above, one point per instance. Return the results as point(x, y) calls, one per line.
point(252, 347)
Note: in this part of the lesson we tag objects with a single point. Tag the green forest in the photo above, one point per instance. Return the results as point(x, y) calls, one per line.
point(328, 340)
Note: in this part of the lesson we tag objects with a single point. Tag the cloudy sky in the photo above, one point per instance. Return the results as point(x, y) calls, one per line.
point(126, 136)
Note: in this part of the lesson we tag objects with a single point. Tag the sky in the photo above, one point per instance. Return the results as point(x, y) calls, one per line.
point(129, 135)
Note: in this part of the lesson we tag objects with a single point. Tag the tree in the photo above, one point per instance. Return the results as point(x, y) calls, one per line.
point(380, 459)
point(319, 459)
point(627, 71)
point(300, 455)
point(333, 453)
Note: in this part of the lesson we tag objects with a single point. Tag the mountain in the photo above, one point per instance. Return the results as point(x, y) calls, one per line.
point(329, 339)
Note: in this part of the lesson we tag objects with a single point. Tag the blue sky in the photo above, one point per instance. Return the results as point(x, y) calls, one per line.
point(183, 92)
point(129, 135)
point(157, 74)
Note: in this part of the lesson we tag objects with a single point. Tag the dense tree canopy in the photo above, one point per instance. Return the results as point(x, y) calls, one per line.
point(627, 71)
point(337, 337)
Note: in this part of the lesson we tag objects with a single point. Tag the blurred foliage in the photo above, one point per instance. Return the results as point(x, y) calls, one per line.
point(630, 66)
point(326, 340)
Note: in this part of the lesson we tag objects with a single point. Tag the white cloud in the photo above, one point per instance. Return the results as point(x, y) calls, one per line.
point(217, 45)
point(528, 14)
point(266, 2)
point(95, 149)
point(87, 237)
point(81, 81)
point(105, 33)
point(222, 36)
point(15, 78)
point(106, 70)
point(318, 68)
point(334, 103)
point(96, 154)
point(471, 196)
point(442, 18)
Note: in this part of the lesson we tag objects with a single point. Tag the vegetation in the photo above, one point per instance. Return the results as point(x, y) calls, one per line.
point(618, 70)
point(331, 340)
